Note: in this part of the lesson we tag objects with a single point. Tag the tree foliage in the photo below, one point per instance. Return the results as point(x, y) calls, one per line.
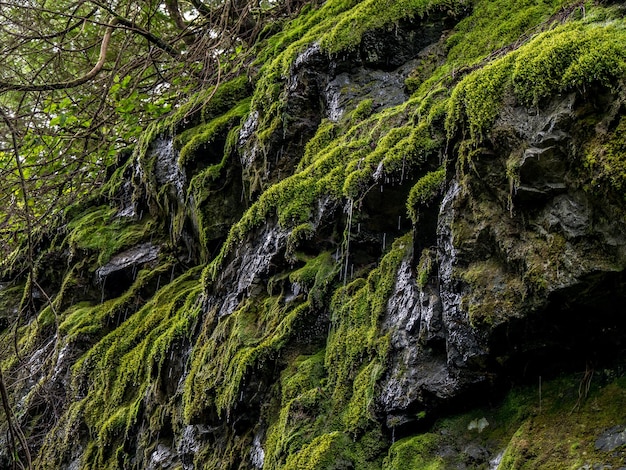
point(82, 78)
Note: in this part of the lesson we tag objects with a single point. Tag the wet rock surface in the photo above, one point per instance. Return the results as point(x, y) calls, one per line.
point(525, 264)
point(129, 259)
point(166, 168)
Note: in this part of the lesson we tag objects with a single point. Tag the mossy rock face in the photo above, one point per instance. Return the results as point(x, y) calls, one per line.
point(356, 257)
point(537, 223)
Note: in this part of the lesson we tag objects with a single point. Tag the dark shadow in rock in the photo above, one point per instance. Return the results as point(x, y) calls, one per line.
point(582, 326)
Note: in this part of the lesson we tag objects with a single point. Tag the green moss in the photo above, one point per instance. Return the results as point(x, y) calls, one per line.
point(425, 267)
point(192, 140)
point(496, 24)
point(301, 406)
point(552, 424)
point(338, 25)
point(359, 412)
point(212, 111)
point(371, 14)
point(258, 330)
point(606, 160)
point(10, 299)
point(223, 358)
point(325, 134)
point(331, 393)
point(100, 231)
point(424, 191)
point(478, 98)
point(415, 452)
point(571, 57)
point(564, 432)
point(323, 453)
point(323, 411)
point(299, 234)
point(339, 165)
point(494, 291)
point(355, 347)
point(362, 111)
point(122, 369)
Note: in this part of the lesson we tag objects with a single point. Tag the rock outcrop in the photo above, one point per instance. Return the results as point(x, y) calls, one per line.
point(377, 231)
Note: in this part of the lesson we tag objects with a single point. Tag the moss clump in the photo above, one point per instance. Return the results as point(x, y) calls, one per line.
point(570, 57)
point(100, 231)
point(315, 276)
point(260, 328)
point(327, 399)
point(552, 424)
point(606, 160)
point(323, 452)
point(425, 267)
point(425, 190)
point(203, 107)
point(301, 409)
point(564, 432)
point(356, 310)
point(122, 370)
point(362, 111)
point(415, 452)
point(338, 25)
point(340, 165)
point(497, 24)
point(10, 299)
point(298, 235)
point(192, 140)
point(371, 14)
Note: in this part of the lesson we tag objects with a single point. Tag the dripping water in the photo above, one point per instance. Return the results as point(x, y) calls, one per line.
point(345, 274)
point(104, 280)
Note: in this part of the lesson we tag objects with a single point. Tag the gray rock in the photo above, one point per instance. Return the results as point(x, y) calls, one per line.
point(161, 458)
point(568, 214)
point(129, 259)
point(611, 439)
point(348, 89)
point(462, 342)
point(475, 454)
point(166, 168)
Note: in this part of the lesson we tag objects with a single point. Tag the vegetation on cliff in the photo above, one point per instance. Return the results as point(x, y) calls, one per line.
point(219, 261)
